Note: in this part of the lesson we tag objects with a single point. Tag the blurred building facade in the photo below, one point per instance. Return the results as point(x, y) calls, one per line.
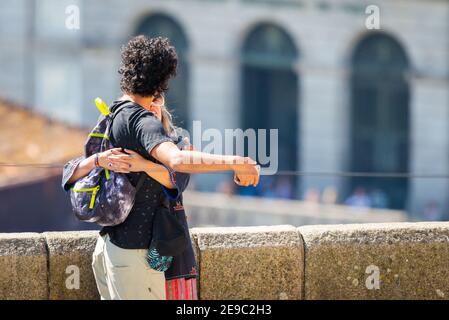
point(343, 97)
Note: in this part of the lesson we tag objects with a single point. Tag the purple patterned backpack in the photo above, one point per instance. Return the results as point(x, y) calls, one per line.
point(103, 197)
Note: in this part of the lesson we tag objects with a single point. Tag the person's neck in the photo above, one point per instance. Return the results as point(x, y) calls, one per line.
point(145, 102)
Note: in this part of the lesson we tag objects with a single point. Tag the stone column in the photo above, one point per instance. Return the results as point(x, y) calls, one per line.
point(429, 152)
point(324, 125)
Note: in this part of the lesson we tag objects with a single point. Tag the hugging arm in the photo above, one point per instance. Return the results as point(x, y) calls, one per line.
point(70, 172)
point(188, 161)
point(80, 167)
point(150, 134)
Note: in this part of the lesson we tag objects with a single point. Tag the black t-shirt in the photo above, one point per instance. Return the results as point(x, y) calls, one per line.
point(137, 129)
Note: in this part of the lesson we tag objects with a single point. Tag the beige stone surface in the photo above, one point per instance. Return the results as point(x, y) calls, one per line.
point(250, 262)
point(412, 259)
point(69, 252)
point(278, 262)
point(23, 266)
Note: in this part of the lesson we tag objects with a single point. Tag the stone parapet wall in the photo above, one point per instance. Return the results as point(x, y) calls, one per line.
point(354, 261)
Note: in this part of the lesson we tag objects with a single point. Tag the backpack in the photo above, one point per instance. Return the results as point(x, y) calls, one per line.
point(103, 197)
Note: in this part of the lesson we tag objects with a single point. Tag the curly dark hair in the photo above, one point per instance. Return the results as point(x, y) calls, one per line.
point(147, 65)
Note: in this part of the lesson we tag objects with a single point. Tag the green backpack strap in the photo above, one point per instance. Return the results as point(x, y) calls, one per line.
point(111, 116)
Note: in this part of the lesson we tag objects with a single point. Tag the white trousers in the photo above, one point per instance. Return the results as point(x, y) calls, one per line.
point(124, 274)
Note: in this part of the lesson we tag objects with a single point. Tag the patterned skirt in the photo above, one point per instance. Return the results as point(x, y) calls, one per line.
point(181, 289)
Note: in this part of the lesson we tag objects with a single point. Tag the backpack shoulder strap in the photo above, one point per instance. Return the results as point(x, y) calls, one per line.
point(113, 114)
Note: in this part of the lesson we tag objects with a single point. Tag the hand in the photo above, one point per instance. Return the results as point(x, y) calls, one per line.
point(130, 161)
point(187, 144)
point(105, 162)
point(246, 172)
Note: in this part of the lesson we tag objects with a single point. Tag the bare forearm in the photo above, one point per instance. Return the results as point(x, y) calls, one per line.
point(160, 174)
point(245, 169)
point(199, 162)
point(83, 169)
point(156, 171)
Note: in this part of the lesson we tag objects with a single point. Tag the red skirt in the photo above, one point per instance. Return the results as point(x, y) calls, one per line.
point(181, 289)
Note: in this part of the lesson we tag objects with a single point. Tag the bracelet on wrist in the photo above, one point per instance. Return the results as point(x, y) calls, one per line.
point(97, 163)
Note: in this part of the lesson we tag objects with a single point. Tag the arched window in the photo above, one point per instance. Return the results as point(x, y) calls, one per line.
point(177, 95)
point(380, 118)
point(270, 91)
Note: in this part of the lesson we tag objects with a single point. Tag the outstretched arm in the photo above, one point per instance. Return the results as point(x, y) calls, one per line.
point(245, 169)
point(150, 134)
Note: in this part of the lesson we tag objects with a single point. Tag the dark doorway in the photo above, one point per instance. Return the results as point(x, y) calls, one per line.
point(270, 91)
point(380, 117)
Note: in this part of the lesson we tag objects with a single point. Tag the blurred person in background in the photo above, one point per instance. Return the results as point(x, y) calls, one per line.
point(266, 187)
point(432, 211)
point(227, 187)
point(330, 195)
point(284, 188)
point(312, 196)
point(359, 199)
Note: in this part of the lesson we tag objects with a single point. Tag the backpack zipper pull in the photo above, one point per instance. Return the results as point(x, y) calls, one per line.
point(102, 106)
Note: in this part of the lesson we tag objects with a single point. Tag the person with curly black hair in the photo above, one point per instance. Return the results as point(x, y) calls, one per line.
point(152, 146)
point(147, 66)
